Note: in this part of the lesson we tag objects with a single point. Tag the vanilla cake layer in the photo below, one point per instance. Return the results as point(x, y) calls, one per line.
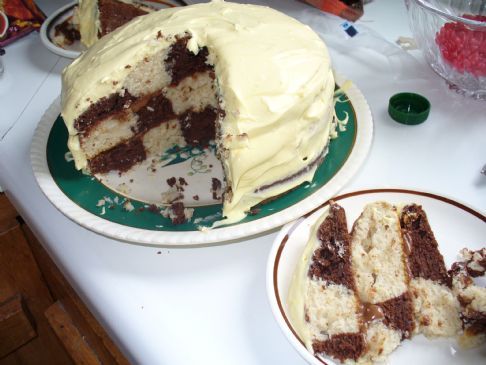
point(379, 261)
point(161, 138)
point(274, 91)
point(323, 306)
point(381, 340)
point(379, 268)
point(436, 309)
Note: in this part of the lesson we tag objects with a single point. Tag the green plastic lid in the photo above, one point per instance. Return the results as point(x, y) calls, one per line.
point(409, 108)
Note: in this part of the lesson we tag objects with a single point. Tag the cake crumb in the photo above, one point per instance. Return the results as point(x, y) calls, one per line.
point(177, 213)
point(254, 211)
point(68, 156)
point(153, 208)
point(172, 195)
point(177, 183)
point(128, 206)
point(172, 181)
point(216, 188)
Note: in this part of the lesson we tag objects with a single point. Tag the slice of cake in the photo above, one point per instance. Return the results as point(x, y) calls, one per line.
point(472, 297)
point(100, 17)
point(435, 307)
point(323, 306)
point(379, 268)
point(255, 80)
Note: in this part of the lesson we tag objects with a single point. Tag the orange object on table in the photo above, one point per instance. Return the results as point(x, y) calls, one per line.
point(18, 18)
point(351, 11)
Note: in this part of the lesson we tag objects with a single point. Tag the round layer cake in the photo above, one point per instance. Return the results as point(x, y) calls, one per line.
point(256, 81)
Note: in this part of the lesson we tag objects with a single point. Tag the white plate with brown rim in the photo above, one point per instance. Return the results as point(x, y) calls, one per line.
point(455, 226)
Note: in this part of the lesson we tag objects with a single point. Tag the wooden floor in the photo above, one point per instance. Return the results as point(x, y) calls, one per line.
point(42, 319)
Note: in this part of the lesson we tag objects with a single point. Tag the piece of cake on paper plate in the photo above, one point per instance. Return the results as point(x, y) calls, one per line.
point(256, 81)
point(355, 297)
point(97, 18)
point(349, 298)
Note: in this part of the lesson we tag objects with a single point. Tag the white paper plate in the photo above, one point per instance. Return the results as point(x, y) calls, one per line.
point(173, 236)
point(455, 226)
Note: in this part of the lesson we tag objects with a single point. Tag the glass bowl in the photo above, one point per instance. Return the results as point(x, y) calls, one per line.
point(452, 36)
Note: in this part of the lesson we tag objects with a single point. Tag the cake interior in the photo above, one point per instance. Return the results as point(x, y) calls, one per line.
point(167, 99)
point(435, 306)
point(392, 267)
point(333, 310)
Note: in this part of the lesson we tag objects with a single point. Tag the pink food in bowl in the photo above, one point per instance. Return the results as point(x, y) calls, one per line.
point(463, 48)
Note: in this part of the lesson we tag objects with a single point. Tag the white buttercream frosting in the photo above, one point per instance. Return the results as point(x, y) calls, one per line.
point(299, 285)
point(89, 21)
point(275, 84)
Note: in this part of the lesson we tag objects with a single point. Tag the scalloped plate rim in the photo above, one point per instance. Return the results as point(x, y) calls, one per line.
point(355, 160)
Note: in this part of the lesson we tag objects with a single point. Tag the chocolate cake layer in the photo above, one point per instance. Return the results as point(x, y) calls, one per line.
point(331, 261)
point(121, 157)
point(181, 63)
point(114, 14)
point(103, 108)
point(198, 128)
point(474, 322)
point(68, 30)
point(157, 110)
point(311, 165)
point(398, 314)
point(216, 187)
point(178, 211)
point(342, 346)
point(425, 259)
